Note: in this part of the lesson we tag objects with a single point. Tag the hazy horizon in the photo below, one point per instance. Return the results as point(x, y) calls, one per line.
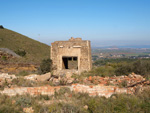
point(103, 22)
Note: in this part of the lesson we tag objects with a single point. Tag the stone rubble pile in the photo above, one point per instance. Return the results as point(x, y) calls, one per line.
point(56, 80)
point(97, 86)
point(42, 90)
point(129, 80)
point(92, 90)
point(61, 80)
point(6, 77)
point(100, 90)
point(35, 77)
point(28, 110)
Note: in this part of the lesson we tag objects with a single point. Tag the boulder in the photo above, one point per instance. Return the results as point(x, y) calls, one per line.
point(7, 76)
point(44, 77)
point(31, 77)
point(28, 110)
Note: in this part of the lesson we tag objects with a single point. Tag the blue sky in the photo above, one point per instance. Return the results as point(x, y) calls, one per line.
point(104, 22)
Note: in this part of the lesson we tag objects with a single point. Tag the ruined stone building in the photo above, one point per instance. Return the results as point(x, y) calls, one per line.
point(73, 55)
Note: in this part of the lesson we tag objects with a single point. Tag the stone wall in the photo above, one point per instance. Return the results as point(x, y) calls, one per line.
point(96, 90)
point(100, 90)
point(43, 90)
point(75, 47)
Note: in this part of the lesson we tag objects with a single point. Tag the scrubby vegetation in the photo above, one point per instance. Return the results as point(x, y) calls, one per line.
point(110, 67)
point(117, 67)
point(66, 101)
point(105, 61)
point(21, 52)
point(45, 66)
point(24, 46)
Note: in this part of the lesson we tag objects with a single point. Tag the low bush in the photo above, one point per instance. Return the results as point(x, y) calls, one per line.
point(20, 52)
point(4, 58)
point(102, 71)
point(45, 66)
point(117, 103)
point(122, 66)
point(141, 67)
point(7, 106)
point(23, 82)
point(24, 101)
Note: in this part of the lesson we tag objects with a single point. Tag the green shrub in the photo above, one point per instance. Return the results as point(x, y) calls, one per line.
point(24, 101)
point(68, 108)
point(6, 105)
point(64, 90)
point(141, 67)
point(123, 69)
point(4, 58)
point(43, 97)
point(102, 62)
point(65, 108)
point(45, 66)
point(102, 71)
point(117, 103)
point(23, 82)
point(20, 52)
point(92, 105)
point(1, 27)
point(61, 92)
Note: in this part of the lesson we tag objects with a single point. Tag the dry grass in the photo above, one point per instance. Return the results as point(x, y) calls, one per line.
point(35, 51)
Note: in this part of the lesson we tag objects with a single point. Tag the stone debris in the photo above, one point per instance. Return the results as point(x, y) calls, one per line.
point(32, 77)
point(97, 86)
point(85, 107)
point(92, 90)
point(64, 80)
point(100, 90)
point(42, 90)
point(28, 110)
point(56, 80)
point(5, 77)
point(8, 53)
point(117, 80)
point(42, 78)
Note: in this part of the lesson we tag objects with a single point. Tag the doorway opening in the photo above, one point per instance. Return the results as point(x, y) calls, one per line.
point(69, 62)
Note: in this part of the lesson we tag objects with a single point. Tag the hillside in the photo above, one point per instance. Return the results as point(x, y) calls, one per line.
point(35, 51)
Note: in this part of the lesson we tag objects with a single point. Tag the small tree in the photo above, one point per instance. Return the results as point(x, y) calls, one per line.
point(45, 66)
point(1, 27)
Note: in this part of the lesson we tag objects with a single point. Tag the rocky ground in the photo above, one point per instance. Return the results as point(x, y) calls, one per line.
point(47, 84)
point(50, 85)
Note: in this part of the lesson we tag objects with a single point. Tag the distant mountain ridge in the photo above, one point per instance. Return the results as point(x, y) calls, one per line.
point(35, 51)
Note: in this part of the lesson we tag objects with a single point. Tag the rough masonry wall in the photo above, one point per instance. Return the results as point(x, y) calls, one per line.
point(75, 48)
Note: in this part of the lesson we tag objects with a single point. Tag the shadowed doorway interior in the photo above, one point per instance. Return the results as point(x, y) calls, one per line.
point(69, 62)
